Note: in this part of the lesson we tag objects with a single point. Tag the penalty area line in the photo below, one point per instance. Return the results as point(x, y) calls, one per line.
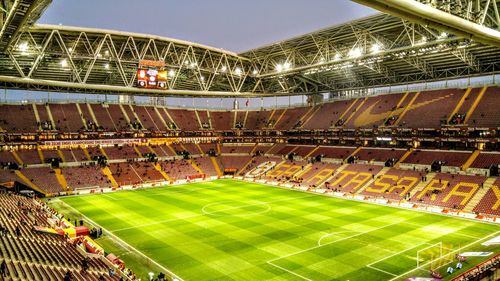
point(381, 270)
point(289, 271)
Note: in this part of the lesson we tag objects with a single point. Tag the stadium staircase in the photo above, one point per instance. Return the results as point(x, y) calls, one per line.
point(18, 159)
point(37, 116)
point(306, 118)
point(29, 182)
point(312, 151)
point(353, 153)
point(474, 105)
point(91, 112)
point(61, 155)
point(381, 172)
point(459, 104)
point(408, 153)
point(49, 113)
point(61, 179)
point(218, 149)
point(198, 118)
point(471, 160)
point(171, 149)
point(216, 166)
point(171, 119)
point(356, 110)
point(162, 172)
point(101, 149)
point(235, 117)
point(209, 119)
point(125, 114)
point(474, 201)
point(107, 172)
point(245, 166)
point(136, 116)
point(199, 148)
point(40, 154)
point(190, 161)
point(80, 113)
point(279, 118)
point(396, 108)
point(138, 152)
point(245, 119)
point(268, 119)
point(354, 101)
point(408, 107)
point(86, 152)
point(165, 125)
point(422, 184)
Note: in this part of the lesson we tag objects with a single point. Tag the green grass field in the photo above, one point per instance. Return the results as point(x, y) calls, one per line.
point(234, 230)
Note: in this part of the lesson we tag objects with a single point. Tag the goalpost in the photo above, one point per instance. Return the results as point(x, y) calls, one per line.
point(434, 256)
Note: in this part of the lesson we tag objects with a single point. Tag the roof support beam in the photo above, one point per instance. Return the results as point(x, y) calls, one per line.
point(429, 16)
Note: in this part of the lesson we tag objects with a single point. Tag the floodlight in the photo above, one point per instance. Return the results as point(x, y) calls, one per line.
point(355, 53)
point(237, 71)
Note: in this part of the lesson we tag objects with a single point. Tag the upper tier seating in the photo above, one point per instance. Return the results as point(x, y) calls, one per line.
point(427, 157)
point(66, 117)
point(334, 152)
point(257, 119)
point(222, 120)
point(290, 119)
point(236, 149)
point(379, 154)
point(18, 118)
point(434, 105)
point(374, 111)
point(485, 159)
point(486, 113)
point(185, 119)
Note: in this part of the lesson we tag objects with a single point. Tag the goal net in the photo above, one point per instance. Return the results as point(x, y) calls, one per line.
point(435, 256)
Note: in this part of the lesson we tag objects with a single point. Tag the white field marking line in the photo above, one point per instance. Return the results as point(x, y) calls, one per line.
point(110, 197)
point(204, 214)
point(453, 252)
point(123, 243)
point(345, 238)
point(289, 271)
point(333, 233)
point(381, 270)
point(397, 253)
point(214, 213)
point(388, 257)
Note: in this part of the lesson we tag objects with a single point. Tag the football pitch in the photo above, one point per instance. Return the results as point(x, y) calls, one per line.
point(235, 230)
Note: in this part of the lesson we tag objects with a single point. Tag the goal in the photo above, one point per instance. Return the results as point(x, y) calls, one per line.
point(435, 256)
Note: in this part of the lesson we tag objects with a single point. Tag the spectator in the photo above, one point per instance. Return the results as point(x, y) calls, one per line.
point(3, 269)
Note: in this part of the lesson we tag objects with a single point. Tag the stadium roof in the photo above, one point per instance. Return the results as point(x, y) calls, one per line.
point(404, 48)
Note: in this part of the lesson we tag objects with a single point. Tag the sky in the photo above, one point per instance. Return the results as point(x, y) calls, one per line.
point(234, 25)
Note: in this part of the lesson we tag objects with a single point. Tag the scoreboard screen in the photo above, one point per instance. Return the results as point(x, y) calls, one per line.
point(151, 77)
